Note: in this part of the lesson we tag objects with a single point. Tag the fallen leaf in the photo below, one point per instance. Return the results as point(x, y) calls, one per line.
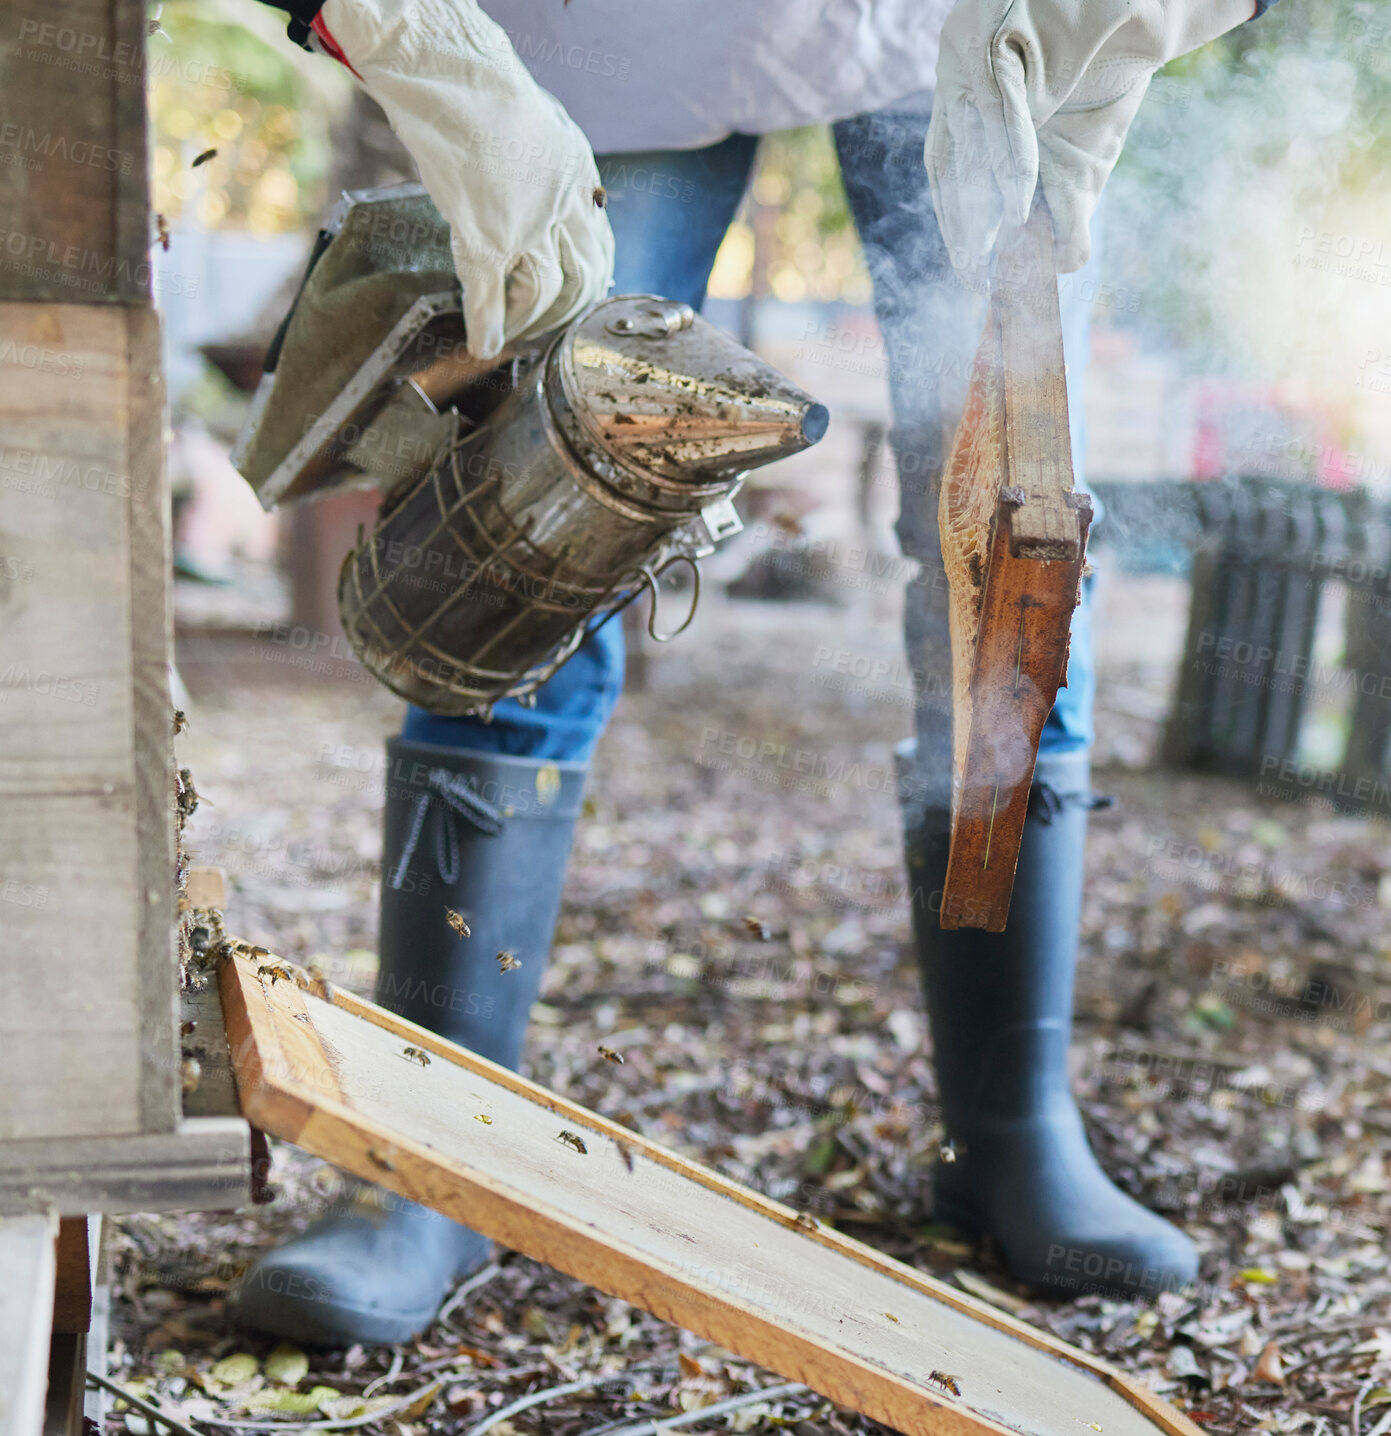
point(1269, 1367)
point(288, 1365)
point(233, 1370)
point(421, 1404)
point(1183, 1364)
point(285, 1402)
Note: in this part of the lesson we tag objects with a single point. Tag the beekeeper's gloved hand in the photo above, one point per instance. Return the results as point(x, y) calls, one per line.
point(1043, 91)
point(507, 167)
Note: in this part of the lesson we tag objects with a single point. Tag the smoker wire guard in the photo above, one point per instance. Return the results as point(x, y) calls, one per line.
point(381, 658)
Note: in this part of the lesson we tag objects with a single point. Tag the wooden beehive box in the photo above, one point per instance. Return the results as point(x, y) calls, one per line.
point(90, 1110)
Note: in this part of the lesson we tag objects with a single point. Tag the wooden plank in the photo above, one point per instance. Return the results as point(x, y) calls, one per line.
point(206, 888)
point(26, 1315)
point(99, 1336)
point(213, 1092)
point(483, 1145)
point(86, 757)
point(1014, 538)
point(72, 1289)
point(67, 1384)
point(204, 1164)
point(73, 182)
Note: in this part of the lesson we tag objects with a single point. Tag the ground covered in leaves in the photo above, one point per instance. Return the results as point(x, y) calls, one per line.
point(735, 926)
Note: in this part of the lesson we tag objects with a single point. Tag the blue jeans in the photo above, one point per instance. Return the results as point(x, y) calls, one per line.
point(670, 211)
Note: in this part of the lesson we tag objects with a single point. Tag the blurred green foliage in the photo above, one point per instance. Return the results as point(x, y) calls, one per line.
point(794, 238)
point(1243, 147)
point(218, 85)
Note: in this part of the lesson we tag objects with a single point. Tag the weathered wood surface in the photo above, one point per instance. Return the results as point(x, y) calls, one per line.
point(72, 1291)
point(1014, 538)
point(73, 182)
point(204, 1164)
point(26, 1316)
point(485, 1146)
point(214, 1093)
point(88, 1028)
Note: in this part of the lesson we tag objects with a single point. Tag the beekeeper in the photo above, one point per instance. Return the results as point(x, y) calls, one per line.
point(947, 119)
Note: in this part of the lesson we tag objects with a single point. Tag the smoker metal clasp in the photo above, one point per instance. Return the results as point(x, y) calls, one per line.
point(721, 520)
point(654, 321)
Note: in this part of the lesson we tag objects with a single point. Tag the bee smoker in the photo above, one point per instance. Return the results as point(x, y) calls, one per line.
point(541, 496)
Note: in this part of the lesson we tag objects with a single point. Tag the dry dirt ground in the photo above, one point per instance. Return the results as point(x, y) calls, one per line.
point(1230, 1047)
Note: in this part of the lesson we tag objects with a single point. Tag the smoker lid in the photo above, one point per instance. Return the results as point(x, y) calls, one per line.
point(665, 393)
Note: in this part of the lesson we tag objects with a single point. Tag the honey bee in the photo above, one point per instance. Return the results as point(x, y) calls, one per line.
point(506, 962)
point(757, 929)
point(161, 224)
point(571, 1140)
point(609, 1055)
point(456, 921)
point(415, 1054)
point(180, 721)
point(185, 794)
point(381, 1160)
point(483, 1117)
point(275, 972)
point(624, 1151)
point(947, 1152)
point(601, 195)
point(190, 1074)
point(807, 1222)
point(205, 157)
point(945, 1380)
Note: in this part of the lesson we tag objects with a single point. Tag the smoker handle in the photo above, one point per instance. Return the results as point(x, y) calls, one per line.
point(650, 578)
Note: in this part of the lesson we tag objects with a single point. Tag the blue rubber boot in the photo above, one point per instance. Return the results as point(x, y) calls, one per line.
point(1000, 1006)
point(488, 836)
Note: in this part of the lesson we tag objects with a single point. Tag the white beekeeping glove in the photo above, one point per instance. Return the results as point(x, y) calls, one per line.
point(507, 167)
point(1043, 91)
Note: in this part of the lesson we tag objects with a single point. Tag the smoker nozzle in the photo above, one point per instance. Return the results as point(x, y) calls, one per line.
point(668, 398)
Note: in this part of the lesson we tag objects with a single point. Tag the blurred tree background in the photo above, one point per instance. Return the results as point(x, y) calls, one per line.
point(1248, 222)
point(225, 78)
point(1250, 210)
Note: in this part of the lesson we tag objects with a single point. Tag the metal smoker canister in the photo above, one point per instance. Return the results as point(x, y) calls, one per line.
point(615, 455)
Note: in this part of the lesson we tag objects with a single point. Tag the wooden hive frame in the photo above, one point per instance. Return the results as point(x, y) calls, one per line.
point(1014, 536)
point(344, 1079)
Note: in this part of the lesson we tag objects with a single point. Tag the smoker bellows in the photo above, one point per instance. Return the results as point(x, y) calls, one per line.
point(523, 504)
